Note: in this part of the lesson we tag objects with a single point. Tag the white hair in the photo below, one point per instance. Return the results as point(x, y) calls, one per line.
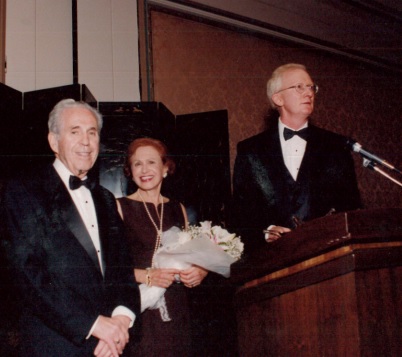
point(275, 82)
point(54, 122)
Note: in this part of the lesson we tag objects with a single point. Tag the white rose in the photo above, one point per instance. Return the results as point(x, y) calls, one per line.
point(222, 235)
point(205, 226)
point(184, 237)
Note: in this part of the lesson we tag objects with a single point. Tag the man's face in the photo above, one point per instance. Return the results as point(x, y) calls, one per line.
point(290, 102)
point(77, 144)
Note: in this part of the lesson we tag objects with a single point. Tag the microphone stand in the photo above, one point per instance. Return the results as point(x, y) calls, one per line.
point(372, 165)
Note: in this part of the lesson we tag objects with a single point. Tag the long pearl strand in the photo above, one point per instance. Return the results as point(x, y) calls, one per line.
point(158, 231)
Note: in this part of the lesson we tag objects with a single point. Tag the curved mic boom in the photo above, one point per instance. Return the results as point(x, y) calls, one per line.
point(356, 147)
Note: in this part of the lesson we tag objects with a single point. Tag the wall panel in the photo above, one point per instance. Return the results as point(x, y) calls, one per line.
point(2, 38)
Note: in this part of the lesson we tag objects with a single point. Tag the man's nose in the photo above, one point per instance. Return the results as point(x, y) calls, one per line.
point(309, 92)
point(85, 139)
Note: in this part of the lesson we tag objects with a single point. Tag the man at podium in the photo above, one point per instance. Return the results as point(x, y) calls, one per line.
point(293, 171)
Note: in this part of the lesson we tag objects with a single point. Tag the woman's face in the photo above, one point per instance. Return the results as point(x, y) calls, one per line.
point(147, 168)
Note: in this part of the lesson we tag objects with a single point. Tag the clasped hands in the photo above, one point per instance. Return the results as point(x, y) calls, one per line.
point(113, 336)
point(190, 277)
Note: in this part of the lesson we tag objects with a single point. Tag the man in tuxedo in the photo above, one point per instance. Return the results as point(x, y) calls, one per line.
point(293, 171)
point(64, 242)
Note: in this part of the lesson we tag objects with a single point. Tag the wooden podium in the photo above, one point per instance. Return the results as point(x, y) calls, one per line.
point(332, 287)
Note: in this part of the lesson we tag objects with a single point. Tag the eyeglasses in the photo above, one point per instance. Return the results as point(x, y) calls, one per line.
point(301, 88)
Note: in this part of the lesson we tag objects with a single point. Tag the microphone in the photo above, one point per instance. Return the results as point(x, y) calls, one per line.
point(356, 147)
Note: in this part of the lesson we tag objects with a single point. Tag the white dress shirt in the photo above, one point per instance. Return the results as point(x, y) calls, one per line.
point(292, 150)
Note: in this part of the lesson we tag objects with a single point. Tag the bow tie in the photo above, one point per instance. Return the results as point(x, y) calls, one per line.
point(288, 133)
point(75, 182)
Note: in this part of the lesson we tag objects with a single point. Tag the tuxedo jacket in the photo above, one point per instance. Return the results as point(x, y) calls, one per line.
point(265, 193)
point(56, 267)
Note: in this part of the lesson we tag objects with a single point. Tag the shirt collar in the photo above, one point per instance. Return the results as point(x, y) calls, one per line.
point(63, 172)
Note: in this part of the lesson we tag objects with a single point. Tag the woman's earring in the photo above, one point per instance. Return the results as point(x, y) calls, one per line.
point(165, 175)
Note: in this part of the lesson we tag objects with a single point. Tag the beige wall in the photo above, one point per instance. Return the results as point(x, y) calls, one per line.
point(108, 49)
point(39, 46)
point(2, 38)
point(199, 67)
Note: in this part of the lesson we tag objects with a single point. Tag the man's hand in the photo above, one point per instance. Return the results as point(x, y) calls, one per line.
point(102, 350)
point(275, 232)
point(113, 335)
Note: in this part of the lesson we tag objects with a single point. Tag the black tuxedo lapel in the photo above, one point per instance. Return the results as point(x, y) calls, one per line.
point(273, 160)
point(103, 223)
point(309, 177)
point(64, 207)
point(312, 157)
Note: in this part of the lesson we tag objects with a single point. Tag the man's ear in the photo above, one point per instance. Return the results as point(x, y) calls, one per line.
point(277, 99)
point(53, 142)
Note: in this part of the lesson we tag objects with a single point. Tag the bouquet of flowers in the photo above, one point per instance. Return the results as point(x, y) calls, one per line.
point(210, 247)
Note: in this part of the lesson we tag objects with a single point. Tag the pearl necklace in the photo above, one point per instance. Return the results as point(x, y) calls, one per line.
point(158, 230)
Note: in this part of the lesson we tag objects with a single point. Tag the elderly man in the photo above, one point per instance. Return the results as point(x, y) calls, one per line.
point(293, 171)
point(65, 245)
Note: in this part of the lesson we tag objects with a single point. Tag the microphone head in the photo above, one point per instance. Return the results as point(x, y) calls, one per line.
point(353, 145)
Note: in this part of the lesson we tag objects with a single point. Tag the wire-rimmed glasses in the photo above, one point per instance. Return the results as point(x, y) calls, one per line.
point(301, 88)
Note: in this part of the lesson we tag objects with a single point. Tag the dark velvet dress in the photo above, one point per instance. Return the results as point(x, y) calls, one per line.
point(157, 338)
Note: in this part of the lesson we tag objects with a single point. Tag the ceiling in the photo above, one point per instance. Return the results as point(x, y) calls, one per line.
point(367, 29)
point(389, 7)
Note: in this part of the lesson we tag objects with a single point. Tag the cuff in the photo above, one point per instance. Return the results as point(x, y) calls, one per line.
point(122, 310)
point(266, 235)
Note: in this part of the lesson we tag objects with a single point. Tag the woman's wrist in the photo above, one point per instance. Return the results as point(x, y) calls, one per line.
point(148, 278)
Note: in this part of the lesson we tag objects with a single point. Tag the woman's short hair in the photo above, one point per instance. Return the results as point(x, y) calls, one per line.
point(54, 122)
point(275, 82)
point(158, 145)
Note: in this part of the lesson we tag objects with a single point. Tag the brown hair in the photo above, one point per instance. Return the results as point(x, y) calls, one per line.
point(158, 145)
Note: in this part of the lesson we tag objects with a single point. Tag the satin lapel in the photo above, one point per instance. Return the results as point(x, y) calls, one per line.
point(101, 214)
point(310, 157)
point(65, 208)
point(273, 158)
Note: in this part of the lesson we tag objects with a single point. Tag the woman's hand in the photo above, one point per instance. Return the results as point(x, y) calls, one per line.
point(193, 276)
point(162, 277)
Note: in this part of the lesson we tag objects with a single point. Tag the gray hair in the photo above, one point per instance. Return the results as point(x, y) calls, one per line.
point(275, 82)
point(54, 122)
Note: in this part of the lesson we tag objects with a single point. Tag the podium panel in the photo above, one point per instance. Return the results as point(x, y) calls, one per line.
point(343, 301)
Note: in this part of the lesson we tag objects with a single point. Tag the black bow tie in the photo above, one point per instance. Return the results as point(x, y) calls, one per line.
point(75, 182)
point(288, 133)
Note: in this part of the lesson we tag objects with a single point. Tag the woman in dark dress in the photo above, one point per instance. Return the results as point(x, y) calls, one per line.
point(147, 214)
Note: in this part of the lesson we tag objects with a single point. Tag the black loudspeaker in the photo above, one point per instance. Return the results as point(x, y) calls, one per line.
point(10, 129)
point(201, 152)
